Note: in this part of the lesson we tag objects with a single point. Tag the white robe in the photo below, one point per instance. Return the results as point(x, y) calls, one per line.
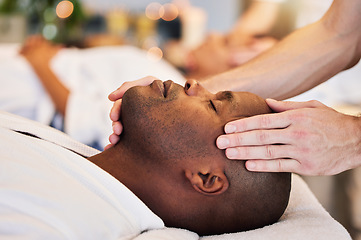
point(49, 192)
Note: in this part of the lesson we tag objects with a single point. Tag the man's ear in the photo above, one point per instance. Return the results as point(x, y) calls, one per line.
point(213, 182)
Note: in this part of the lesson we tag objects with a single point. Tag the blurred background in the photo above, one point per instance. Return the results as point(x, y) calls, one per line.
point(147, 24)
point(131, 22)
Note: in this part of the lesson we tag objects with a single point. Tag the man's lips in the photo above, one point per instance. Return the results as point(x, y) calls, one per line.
point(167, 87)
point(159, 86)
point(164, 87)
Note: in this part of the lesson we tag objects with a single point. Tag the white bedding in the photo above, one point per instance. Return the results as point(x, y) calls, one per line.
point(304, 217)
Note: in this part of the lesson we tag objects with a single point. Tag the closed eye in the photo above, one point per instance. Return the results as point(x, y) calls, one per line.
point(212, 105)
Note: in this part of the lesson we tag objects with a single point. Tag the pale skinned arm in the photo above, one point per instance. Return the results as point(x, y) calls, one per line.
point(306, 138)
point(302, 60)
point(39, 53)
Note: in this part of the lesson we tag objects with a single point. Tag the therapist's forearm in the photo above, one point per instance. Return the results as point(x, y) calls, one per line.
point(302, 60)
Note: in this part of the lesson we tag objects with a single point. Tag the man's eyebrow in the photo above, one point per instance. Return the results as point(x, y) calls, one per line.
point(228, 95)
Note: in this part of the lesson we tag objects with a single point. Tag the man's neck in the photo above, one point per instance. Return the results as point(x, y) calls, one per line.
point(121, 162)
point(113, 161)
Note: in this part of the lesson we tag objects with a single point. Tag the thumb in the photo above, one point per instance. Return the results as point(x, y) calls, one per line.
point(118, 94)
point(281, 106)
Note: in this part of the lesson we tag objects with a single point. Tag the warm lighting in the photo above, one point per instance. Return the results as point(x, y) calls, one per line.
point(64, 9)
point(150, 42)
point(170, 12)
point(154, 11)
point(155, 54)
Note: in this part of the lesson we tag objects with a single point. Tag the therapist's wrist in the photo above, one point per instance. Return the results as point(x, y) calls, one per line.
point(357, 159)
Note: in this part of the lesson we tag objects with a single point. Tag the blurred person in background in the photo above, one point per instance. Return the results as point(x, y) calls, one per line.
point(260, 26)
point(67, 88)
point(63, 85)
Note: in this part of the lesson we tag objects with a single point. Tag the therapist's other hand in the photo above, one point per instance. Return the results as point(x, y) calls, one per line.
point(116, 97)
point(307, 138)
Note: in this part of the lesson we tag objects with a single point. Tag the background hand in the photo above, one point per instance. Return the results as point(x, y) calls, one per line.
point(308, 138)
point(38, 51)
point(116, 97)
point(242, 54)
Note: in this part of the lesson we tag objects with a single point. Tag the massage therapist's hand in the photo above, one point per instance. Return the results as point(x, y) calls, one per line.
point(116, 97)
point(308, 138)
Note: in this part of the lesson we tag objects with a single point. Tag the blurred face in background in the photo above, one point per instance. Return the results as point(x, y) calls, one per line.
point(217, 55)
point(209, 58)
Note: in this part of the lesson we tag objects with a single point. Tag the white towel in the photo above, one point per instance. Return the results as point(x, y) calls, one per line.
point(304, 218)
point(45, 132)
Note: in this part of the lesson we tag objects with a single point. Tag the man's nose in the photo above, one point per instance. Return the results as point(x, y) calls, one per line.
point(193, 88)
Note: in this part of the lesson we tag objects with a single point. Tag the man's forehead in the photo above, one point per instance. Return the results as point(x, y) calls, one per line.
point(246, 104)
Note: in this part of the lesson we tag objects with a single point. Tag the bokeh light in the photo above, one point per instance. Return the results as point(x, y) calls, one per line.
point(50, 31)
point(155, 54)
point(170, 12)
point(154, 11)
point(64, 9)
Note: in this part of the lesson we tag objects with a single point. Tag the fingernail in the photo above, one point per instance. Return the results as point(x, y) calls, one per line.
point(230, 129)
point(222, 142)
point(270, 100)
point(251, 165)
point(231, 152)
point(112, 117)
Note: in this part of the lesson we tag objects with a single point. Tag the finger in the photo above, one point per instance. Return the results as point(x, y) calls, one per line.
point(259, 152)
point(275, 165)
point(117, 128)
point(265, 121)
point(115, 111)
point(256, 137)
point(113, 139)
point(117, 94)
point(108, 146)
point(281, 106)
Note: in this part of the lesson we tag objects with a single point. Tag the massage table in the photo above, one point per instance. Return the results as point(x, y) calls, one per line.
point(304, 217)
